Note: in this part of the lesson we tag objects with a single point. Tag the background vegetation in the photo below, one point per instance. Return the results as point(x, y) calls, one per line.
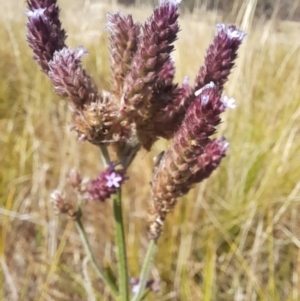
point(284, 9)
point(235, 237)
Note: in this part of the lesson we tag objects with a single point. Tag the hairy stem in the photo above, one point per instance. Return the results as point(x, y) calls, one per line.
point(121, 247)
point(145, 270)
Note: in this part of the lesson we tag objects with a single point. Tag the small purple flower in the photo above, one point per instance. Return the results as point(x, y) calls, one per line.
point(106, 184)
point(204, 99)
point(173, 2)
point(186, 80)
point(113, 180)
point(231, 31)
point(228, 102)
point(39, 12)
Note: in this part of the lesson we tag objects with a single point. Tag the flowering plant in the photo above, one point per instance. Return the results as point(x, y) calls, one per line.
point(143, 106)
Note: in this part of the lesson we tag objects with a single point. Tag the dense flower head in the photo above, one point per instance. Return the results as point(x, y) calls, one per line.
point(220, 57)
point(219, 61)
point(229, 102)
point(106, 184)
point(93, 113)
point(124, 33)
point(44, 35)
point(145, 103)
point(191, 158)
point(70, 79)
point(154, 48)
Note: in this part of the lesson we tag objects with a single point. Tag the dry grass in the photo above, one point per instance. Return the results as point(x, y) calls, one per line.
point(235, 237)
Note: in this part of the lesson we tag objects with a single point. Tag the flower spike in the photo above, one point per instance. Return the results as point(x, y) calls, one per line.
point(123, 45)
point(154, 48)
point(70, 79)
point(44, 32)
point(191, 158)
point(220, 57)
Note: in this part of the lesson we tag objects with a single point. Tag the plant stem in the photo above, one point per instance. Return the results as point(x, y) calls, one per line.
point(88, 250)
point(104, 155)
point(145, 270)
point(129, 153)
point(121, 247)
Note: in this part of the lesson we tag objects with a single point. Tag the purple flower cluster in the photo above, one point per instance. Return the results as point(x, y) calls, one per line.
point(106, 184)
point(45, 35)
point(220, 57)
point(145, 104)
point(192, 157)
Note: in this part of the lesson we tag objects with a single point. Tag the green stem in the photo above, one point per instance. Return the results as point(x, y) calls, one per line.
point(104, 155)
point(129, 153)
point(145, 270)
point(121, 247)
point(88, 250)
